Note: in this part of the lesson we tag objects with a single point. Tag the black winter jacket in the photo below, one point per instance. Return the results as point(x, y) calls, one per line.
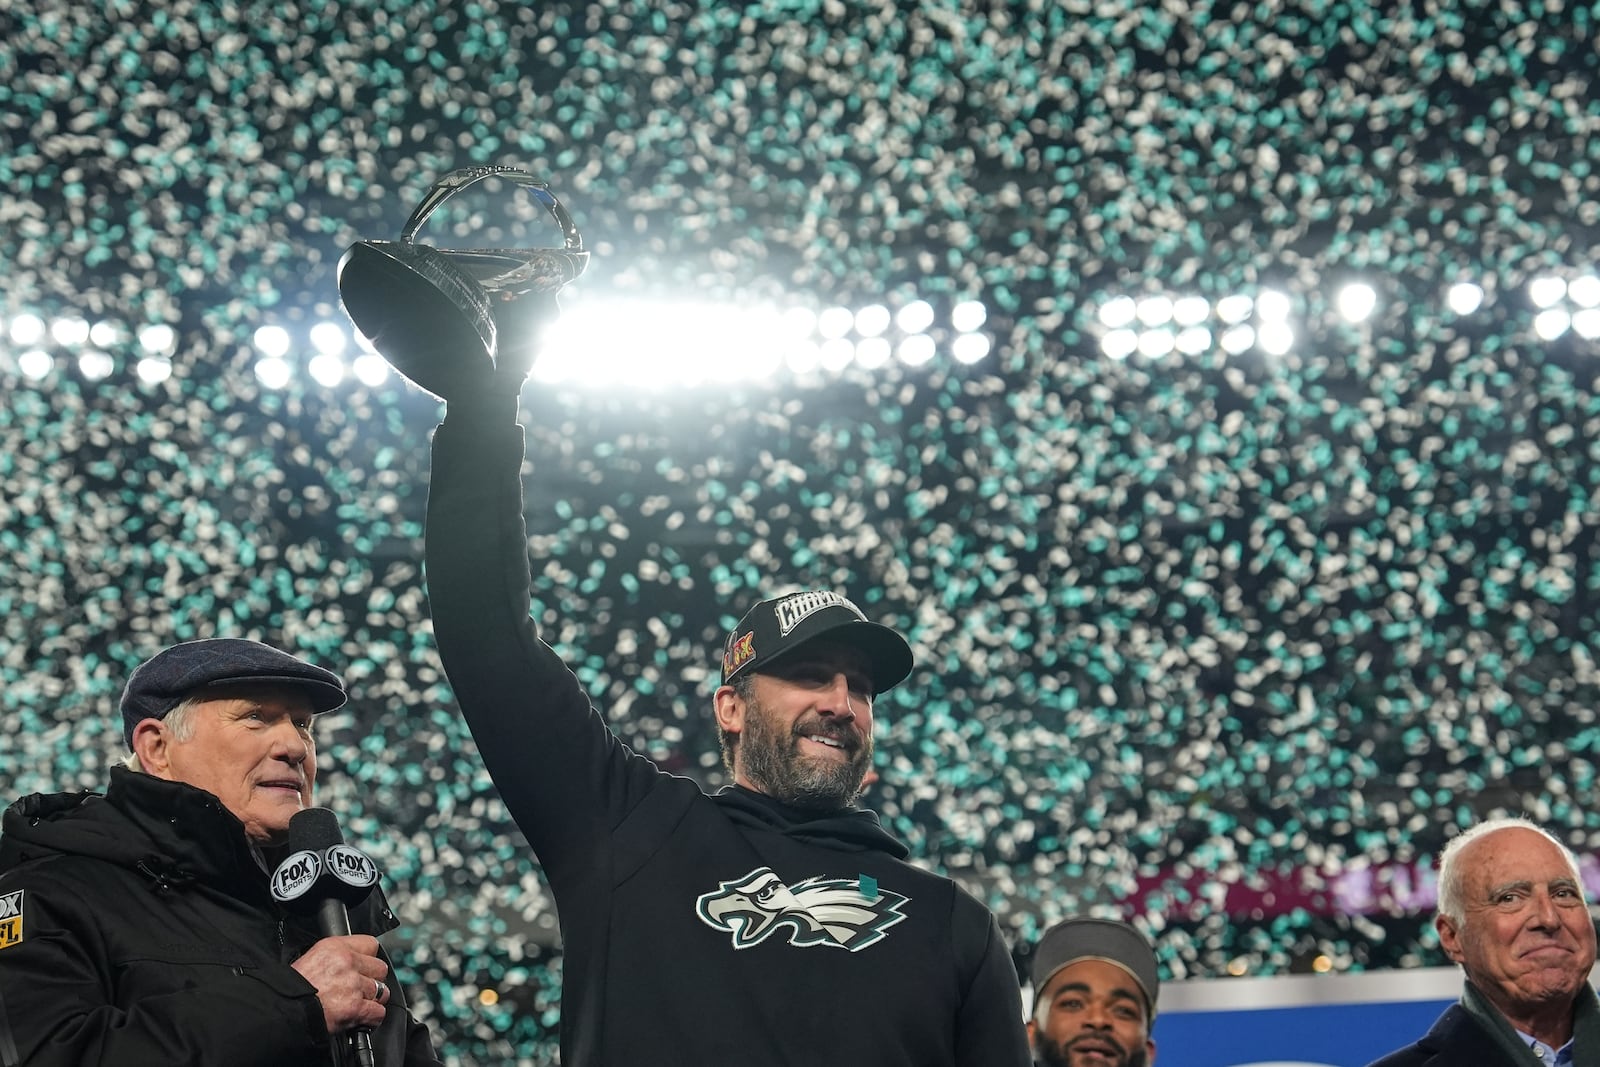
point(712, 931)
point(137, 928)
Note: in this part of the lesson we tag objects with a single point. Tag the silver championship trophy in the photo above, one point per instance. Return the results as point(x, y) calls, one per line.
point(429, 311)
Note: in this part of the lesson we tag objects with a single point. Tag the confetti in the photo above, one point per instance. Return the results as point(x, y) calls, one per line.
point(1223, 635)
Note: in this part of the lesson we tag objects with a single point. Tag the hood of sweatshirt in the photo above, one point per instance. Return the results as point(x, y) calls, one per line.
point(850, 830)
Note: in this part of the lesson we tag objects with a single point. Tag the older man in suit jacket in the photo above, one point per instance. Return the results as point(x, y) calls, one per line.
point(1512, 913)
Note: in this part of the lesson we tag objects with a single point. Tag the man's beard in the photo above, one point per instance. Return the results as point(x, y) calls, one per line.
point(1059, 1054)
point(773, 760)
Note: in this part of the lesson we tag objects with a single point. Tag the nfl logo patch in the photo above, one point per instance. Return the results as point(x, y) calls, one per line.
point(11, 919)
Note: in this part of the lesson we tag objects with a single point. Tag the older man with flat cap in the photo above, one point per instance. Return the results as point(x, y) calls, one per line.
point(137, 927)
point(1094, 996)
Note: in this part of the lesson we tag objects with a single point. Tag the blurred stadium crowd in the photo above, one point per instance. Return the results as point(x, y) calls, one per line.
point(1221, 642)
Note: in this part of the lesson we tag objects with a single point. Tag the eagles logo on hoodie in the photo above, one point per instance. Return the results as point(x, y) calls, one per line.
point(836, 912)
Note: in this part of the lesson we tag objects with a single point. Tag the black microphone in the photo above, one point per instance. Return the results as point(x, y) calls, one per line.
point(324, 876)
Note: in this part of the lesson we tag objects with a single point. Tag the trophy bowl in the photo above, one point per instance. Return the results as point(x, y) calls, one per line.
point(428, 310)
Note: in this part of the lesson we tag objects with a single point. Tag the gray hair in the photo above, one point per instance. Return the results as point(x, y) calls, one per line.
point(179, 721)
point(1450, 874)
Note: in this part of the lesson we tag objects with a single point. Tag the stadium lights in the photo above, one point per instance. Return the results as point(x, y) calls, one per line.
point(969, 348)
point(27, 330)
point(914, 317)
point(273, 372)
point(69, 332)
point(594, 343)
point(1154, 311)
point(835, 322)
point(1586, 323)
point(1584, 290)
point(872, 320)
point(665, 344)
point(158, 339)
point(1118, 313)
point(802, 357)
point(916, 350)
point(326, 369)
point(1566, 305)
point(677, 343)
point(1193, 340)
point(1551, 323)
point(1156, 343)
point(1190, 310)
point(1547, 290)
point(272, 341)
point(798, 322)
point(272, 367)
point(873, 352)
point(94, 364)
point(1273, 305)
point(836, 354)
point(969, 316)
point(1235, 308)
point(1238, 339)
point(1275, 338)
point(1155, 325)
point(152, 370)
point(1465, 297)
point(608, 343)
point(106, 334)
point(329, 338)
point(370, 369)
point(1356, 301)
point(1120, 343)
point(35, 363)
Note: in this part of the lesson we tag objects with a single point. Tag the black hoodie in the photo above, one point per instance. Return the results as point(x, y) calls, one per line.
point(137, 928)
point(712, 931)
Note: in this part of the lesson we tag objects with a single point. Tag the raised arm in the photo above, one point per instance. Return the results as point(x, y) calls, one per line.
point(565, 778)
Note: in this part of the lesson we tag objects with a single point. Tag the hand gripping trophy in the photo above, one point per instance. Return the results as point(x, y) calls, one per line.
point(436, 314)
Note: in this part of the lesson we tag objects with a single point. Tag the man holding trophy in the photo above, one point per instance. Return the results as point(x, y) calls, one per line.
point(773, 923)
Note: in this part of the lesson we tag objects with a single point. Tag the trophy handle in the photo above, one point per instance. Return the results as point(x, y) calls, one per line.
point(457, 180)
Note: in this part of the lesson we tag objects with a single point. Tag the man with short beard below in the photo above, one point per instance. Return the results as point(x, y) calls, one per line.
point(782, 758)
point(1512, 913)
point(774, 923)
point(1094, 996)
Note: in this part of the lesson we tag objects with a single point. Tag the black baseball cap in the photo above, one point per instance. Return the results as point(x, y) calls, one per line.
point(161, 682)
point(1073, 940)
point(774, 628)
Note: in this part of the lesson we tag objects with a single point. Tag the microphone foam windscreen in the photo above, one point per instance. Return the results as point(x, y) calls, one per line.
point(314, 830)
